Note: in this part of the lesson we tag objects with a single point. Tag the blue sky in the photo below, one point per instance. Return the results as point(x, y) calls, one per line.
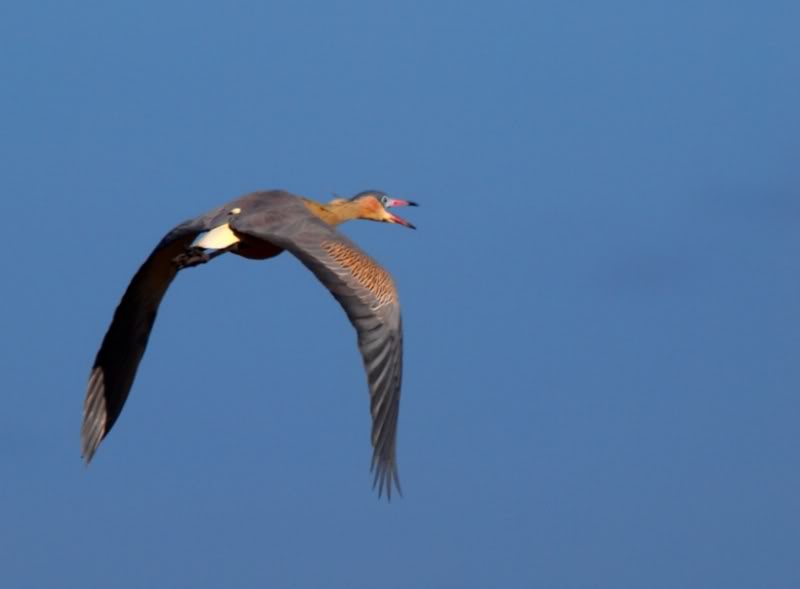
point(601, 303)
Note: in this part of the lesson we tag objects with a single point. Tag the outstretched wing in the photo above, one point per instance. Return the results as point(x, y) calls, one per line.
point(368, 295)
point(126, 339)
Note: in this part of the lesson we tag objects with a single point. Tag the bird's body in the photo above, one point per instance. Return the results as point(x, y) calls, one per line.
point(259, 226)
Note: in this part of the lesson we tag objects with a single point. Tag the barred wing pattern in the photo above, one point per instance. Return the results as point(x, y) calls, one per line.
point(369, 297)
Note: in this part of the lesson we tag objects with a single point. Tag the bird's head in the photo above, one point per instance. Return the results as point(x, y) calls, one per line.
point(374, 204)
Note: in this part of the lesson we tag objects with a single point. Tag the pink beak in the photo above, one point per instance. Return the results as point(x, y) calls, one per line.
point(396, 202)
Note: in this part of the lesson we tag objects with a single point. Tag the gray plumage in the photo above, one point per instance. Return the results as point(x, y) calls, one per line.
point(265, 224)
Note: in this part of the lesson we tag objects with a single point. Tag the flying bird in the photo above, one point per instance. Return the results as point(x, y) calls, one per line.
point(258, 226)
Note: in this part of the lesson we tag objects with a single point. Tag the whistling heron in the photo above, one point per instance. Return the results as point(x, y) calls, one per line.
point(259, 226)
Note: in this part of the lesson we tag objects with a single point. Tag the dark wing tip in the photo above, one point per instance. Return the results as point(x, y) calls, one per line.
point(95, 415)
point(386, 477)
point(383, 360)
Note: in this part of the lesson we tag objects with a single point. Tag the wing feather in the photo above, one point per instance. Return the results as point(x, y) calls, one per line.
point(368, 296)
point(125, 341)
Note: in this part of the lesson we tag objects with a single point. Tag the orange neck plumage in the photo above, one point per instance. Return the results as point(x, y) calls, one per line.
point(338, 210)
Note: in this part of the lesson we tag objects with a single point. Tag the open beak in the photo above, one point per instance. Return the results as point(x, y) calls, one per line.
point(392, 218)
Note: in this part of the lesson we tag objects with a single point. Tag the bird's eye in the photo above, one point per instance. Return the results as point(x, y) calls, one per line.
point(384, 200)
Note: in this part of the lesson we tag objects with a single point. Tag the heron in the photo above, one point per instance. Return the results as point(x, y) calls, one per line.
point(258, 226)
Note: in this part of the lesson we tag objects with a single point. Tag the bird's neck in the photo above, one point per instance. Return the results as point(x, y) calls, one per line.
point(334, 212)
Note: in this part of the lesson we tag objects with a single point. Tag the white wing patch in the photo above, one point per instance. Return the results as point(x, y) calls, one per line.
point(218, 238)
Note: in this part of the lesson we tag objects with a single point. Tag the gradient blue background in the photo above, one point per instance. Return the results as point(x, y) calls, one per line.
point(602, 303)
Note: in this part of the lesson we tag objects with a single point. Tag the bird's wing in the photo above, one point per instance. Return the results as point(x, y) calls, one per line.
point(126, 339)
point(368, 295)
